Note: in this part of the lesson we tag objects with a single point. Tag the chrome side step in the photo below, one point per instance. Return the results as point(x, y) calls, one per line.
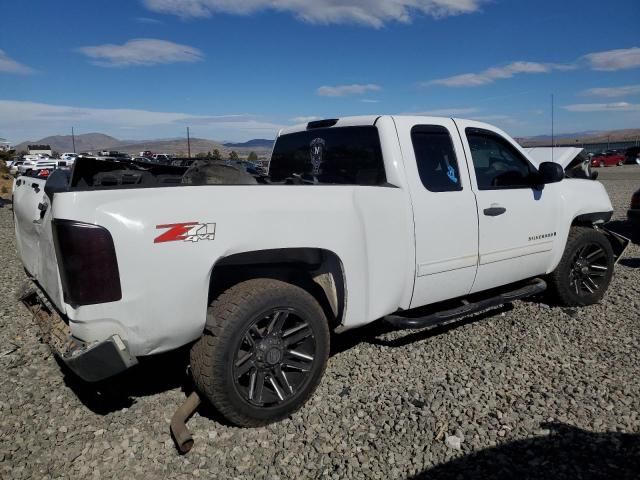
point(535, 286)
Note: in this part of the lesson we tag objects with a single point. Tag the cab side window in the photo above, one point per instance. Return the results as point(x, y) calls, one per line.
point(498, 165)
point(436, 158)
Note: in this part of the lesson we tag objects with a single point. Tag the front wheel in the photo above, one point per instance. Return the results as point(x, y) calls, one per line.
point(585, 270)
point(264, 351)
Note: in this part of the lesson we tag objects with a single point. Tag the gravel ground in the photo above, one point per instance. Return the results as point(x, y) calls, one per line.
point(533, 391)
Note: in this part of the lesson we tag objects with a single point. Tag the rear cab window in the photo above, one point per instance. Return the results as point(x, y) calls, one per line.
point(436, 158)
point(329, 156)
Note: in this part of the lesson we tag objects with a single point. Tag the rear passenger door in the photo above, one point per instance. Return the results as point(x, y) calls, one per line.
point(444, 209)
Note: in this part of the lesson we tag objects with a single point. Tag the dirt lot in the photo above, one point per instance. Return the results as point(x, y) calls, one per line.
point(531, 391)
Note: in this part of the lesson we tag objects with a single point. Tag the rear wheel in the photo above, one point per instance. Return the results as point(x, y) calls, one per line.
point(585, 270)
point(264, 351)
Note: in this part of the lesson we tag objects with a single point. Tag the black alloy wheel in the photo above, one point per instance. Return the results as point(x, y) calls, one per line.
point(274, 358)
point(589, 268)
point(585, 270)
point(263, 352)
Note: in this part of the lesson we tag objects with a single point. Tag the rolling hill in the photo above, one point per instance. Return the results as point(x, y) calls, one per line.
point(257, 144)
point(94, 142)
point(626, 135)
point(86, 142)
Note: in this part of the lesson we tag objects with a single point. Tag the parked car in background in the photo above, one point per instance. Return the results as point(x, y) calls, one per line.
point(13, 168)
point(69, 156)
point(28, 162)
point(44, 163)
point(610, 158)
point(162, 158)
point(114, 155)
point(141, 159)
point(632, 155)
point(633, 214)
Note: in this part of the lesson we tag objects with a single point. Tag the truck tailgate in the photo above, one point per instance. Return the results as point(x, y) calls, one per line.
point(34, 237)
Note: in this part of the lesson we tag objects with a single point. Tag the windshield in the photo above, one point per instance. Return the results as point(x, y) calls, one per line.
point(337, 156)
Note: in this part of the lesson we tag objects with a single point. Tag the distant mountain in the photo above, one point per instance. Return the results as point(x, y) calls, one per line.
point(177, 147)
point(564, 135)
point(94, 142)
point(87, 142)
point(583, 137)
point(258, 144)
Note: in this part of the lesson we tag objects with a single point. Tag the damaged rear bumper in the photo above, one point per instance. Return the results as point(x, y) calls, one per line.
point(91, 362)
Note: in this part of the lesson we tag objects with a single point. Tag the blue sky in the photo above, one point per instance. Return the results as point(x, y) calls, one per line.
point(240, 69)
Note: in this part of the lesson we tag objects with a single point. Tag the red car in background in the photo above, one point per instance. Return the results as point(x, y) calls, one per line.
point(609, 158)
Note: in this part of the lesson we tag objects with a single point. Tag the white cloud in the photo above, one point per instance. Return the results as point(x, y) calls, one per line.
point(344, 90)
point(369, 100)
point(499, 119)
point(31, 119)
point(141, 51)
point(9, 65)
point(613, 92)
point(304, 119)
point(603, 107)
point(492, 74)
point(471, 113)
point(149, 21)
point(612, 60)
point(374, 13)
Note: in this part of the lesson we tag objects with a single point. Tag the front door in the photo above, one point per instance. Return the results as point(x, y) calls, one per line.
point(517, 219)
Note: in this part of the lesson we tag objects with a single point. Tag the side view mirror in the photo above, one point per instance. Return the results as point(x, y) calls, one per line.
point(550, 172)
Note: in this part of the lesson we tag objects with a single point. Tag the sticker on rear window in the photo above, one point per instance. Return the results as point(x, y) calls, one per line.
point(318, 146)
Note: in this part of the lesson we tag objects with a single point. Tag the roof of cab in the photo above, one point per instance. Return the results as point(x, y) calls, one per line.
point(364, 120)
point(341, 122)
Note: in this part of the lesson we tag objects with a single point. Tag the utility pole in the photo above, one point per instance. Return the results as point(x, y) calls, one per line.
point(73, 139)
point(188, 143)
point(553, 131)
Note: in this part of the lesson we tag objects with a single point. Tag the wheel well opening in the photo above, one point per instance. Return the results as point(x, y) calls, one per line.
point(317, 271)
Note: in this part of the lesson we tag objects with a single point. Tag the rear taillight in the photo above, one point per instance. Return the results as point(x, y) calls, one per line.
point(87, 263)
point(43, 173)
point(635, 201)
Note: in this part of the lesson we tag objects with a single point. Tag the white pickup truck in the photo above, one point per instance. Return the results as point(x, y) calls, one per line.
point(358, 219)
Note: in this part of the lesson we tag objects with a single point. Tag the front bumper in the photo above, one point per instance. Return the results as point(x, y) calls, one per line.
point(91, 362)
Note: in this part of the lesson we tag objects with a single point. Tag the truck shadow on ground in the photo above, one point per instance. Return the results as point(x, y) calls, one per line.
point(566, 453)
point(630, 262)
point(151, 376)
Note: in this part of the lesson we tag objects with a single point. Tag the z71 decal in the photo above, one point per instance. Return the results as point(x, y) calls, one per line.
point(186, 232)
